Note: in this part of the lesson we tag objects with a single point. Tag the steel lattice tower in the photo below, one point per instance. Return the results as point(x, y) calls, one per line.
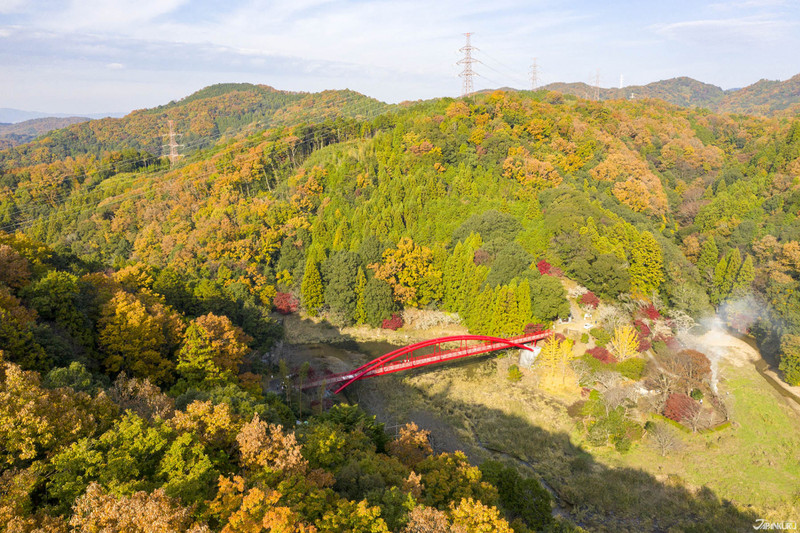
point(173, 145)
point(467, 61)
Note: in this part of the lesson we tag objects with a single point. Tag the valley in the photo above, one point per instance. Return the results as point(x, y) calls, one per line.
point(471, 406)
point(160, 317)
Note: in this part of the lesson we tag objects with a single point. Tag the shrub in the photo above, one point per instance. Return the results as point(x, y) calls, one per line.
point(514, 373)
point(481, 257)
point(665, 346)
point(532, 328)
point(643, 328)
point(660, 347)
point(632, 368)
point(585, 338)
point(589, 299)
point(601, 336)
point(651, 312)
point(394, 323)
point(593, 366)
point(644, 345)
point(286, 303)
point(680, 406)
point(601, 354)
point(724, 425)
point(544, 267)
point(622, 444)
point(696, 394)
point(672, 343)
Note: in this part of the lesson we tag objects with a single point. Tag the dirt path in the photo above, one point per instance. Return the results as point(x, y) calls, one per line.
point(722, 346)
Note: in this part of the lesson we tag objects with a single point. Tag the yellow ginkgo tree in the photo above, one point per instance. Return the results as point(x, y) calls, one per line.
point(625, 342)
point(553, 364)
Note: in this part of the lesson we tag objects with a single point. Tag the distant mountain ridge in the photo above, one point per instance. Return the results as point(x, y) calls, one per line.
point(764, 97)
point(23, 132)
point(14, 116)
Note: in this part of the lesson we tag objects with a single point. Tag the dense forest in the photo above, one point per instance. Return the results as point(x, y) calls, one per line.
point(140, 301)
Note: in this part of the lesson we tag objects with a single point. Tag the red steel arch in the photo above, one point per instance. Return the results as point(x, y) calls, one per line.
point(402, 358)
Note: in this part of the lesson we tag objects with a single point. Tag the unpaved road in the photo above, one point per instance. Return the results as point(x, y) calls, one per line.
point(719, 344)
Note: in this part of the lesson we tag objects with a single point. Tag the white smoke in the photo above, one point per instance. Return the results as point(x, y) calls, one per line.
point(718, 342)
point(710, 344)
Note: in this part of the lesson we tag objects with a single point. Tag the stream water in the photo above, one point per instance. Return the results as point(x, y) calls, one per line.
point(763, 366)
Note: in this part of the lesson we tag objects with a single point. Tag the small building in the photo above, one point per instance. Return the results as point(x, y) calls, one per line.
point(527, 357)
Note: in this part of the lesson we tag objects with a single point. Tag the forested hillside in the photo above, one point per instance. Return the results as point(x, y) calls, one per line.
point(137, 297)
point(201, 119)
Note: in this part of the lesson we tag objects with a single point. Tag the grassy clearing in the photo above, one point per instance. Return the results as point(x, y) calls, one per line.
point(754, 462)
point(753, 465)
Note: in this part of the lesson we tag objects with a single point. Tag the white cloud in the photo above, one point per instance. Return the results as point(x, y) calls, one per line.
point(390, 49)
point(104, 15)
point(727, 31)
point(746, 4)
point(12, 6)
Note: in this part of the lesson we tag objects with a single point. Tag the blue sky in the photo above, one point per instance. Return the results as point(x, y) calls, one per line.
point(89, 56)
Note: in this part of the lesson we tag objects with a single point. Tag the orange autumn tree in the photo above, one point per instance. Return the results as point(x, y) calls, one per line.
point(254, 510)
point(476, 517)
point(410, 271)
point(634, 184)
point(411, 446)
point(529, 171)
point(15, 270)
point(138, 337)
point(213, 348)
point(141, 512)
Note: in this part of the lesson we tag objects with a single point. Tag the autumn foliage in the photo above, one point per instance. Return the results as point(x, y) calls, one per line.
point(602, 355)
point(680, 406)
point(531, 328)
point(138, 342)
point(543, 267)
point(589, 299)
point(286, 303)
point(393, 323)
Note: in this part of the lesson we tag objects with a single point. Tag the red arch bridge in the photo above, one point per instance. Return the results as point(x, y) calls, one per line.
point(405, 359)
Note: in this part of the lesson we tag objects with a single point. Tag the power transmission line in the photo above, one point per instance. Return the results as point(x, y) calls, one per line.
point(596, 85)
point(150, 185)
point(31, 208)
point(467, 61)
point(496, 83)
point(283, 147)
